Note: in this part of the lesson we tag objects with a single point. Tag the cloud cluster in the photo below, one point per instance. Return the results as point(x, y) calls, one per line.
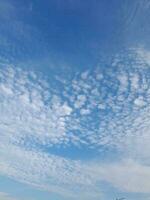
point(107, 108)
point(32, 116)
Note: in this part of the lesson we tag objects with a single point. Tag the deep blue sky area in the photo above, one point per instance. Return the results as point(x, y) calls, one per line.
point(75, 32)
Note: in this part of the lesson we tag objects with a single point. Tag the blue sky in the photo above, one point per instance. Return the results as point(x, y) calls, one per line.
point(74, 100)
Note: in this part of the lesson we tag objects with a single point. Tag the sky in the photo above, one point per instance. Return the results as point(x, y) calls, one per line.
point(74, 100)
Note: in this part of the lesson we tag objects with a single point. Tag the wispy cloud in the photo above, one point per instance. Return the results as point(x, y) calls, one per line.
point(100, 109)
point(16, 34)
point(5, 196)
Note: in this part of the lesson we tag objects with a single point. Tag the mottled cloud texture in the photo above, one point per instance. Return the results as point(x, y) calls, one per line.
point(105, 108)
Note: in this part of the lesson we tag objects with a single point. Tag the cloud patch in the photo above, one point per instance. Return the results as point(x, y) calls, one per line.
point(99, 109)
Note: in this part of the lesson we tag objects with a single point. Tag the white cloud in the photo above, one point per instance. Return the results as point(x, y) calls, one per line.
point(127, 175)
point(48, 172)
point(84, 111)
point(84, 75)
point(140, 101)
point(110, 112)
point(81, 99)
point(27, 120)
